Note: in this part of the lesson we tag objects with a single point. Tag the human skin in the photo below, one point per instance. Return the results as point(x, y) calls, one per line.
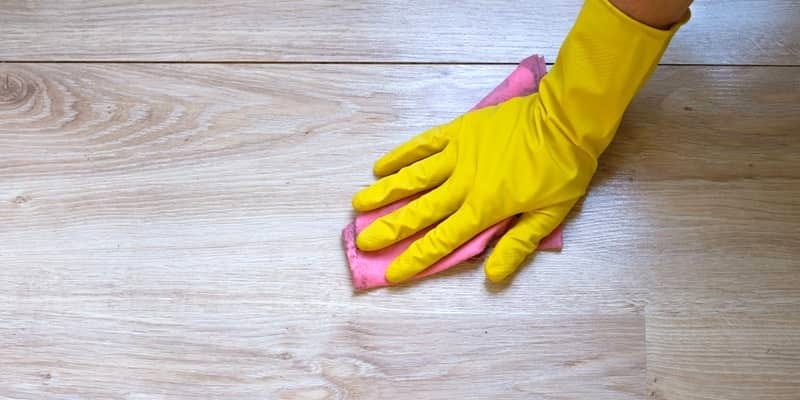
point(659, 14)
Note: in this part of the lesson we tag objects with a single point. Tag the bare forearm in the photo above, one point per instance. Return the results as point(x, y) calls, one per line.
point(660, 14)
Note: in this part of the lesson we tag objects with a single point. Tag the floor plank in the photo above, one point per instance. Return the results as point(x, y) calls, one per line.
point(721, 32)
point(149, 208)
point(152, 346)
point(723, 356)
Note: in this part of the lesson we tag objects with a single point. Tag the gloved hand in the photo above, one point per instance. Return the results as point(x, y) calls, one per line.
point(532, 156)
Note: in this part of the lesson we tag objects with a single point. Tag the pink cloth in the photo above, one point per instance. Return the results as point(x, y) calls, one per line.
point(368, 268)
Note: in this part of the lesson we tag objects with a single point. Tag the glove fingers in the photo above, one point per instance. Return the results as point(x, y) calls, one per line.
point(417, 177)
point(408, 220)
point(423, 145)
point(437, 243)
point(522, 239)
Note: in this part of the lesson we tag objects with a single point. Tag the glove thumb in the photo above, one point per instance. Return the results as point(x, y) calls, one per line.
point(522, 240)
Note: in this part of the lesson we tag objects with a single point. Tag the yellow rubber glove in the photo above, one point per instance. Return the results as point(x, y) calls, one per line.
point(532, 156)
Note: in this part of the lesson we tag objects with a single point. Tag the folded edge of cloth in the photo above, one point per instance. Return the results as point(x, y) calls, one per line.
point(368, 268)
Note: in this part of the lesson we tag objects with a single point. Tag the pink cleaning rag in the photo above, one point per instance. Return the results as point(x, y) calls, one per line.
point(368, 268)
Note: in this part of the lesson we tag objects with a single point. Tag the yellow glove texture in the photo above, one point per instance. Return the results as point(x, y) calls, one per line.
point(533, 155)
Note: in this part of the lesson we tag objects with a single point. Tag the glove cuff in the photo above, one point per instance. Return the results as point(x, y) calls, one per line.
point(604, 61)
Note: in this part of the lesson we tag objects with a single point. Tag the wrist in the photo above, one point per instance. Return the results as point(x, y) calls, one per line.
point(604, 61)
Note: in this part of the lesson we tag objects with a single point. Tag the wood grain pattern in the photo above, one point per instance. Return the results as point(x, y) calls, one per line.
point(171, 231)
point(721, 32)
point(149, 347)
point(723, 356)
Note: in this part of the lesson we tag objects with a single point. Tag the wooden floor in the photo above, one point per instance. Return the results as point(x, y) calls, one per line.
point(174, 178)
